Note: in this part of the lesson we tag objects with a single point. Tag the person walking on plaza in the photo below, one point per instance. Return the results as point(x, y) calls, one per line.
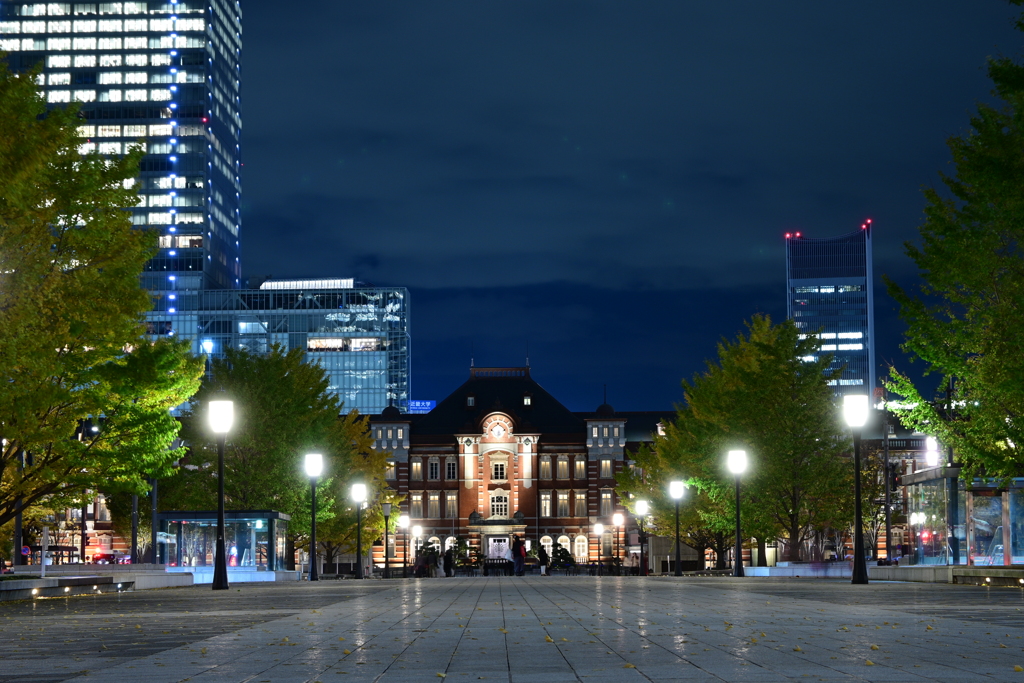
point(542, 557)
point(518, 555)
point(449, 562)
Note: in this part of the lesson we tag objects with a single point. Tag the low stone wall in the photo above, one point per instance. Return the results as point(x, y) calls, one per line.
point(60, 586)
point(202, 575)
point(140, 576)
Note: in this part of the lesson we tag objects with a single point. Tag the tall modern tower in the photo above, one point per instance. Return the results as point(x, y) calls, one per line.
point(829, 293)
point(165, 75)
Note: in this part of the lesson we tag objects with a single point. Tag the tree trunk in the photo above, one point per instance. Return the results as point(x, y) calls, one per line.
point(793, 544)
point(762, 553)
point(720, 551)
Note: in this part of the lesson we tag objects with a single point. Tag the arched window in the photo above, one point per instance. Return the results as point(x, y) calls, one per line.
point(450, 542)
point(564, 542)
point(545, 541)
point(582, 553)
point(435, 542)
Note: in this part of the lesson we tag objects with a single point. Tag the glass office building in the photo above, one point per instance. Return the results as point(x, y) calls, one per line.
point(830, 293)
point(358, 334)
point(165, 76)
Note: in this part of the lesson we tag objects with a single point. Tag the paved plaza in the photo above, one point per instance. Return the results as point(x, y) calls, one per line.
point(522, 630)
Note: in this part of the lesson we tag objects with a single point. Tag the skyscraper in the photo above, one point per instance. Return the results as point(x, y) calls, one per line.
point(165, 75)
point(829, 292)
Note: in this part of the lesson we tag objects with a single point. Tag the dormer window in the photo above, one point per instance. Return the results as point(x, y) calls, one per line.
point(390, 433)
point(470, 401)
point(527, 400)
point(400, 432)
point(615, 432)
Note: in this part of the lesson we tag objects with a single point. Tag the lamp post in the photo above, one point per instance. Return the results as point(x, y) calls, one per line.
point(385, 508)
point(617, 521)
point(676, 489)
point(314, 466)
point(403, 523)
point(737, 462)
point(599, 532)
point(358, 496)
point(221, 415)
point(642, 509)
point(855, 410)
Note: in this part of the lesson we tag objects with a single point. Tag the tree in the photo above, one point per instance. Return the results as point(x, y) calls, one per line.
point(282, 411)
point(71, 309)
point(964, 320)
point(767, 394)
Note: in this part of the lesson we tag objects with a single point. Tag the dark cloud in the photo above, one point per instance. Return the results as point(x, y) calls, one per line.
point(613, 178)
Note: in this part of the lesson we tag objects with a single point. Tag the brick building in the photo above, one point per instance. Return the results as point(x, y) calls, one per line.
point(501, 456)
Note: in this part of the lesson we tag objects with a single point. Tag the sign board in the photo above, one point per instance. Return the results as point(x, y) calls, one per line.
point(419, 407)
point(26, 551)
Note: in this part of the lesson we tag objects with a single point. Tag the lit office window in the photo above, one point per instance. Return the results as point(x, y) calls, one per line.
point(58, 61)
point(606, 468)
point(110, 78)
point(133, 60)
point(135, 95)
point(434, 505)
point(86, 26)
point(58, 96)
point(389, 470)
point(562, 468)
point(85, 60)
point(581, 504)
point(606, 502)
point(545, 503)
point(416, 505)
point(58, 27)
point(563, 503)
point(111, 96)
point(451, 505)
point(58, 44)
point(162, 129)
point(135, 43)
point(416, 469)
point(84, 43)
point(110, 148)
point(86, 131)
point(499, 505)
point(108, 131)
point(134, 24)
point(109, 43)
point(111, 60)
point(581, 467)
point(110, 26)
point(545, 467)
point(60, 79)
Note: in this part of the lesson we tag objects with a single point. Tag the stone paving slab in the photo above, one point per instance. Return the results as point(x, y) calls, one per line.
point(535, 630)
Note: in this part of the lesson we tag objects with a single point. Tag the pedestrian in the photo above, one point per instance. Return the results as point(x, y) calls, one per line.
point(449, 562)
point(518, 555)
point(542, 557)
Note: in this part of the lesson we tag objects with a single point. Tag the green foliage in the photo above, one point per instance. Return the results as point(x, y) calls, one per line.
point(282, 411)
point(760, 397)
point(71, 311)
point(964, 321)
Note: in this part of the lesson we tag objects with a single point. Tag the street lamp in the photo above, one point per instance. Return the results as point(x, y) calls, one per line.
point(737, 462)
point(642, 509)
point(599, 532)
point(385, 508)
point(403, 523)
point(221, 415)
point(855, 410)
point(676, 489)
point(314, 466)
point(358, 496)
point(617, 521)
point(931, 451)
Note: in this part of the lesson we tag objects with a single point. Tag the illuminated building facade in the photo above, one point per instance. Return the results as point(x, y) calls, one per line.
point(829, 292)
point(358, 334)
point(165, 75)
point(500, 456)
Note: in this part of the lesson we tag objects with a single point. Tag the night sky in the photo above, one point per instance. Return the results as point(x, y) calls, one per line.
point(605, 183)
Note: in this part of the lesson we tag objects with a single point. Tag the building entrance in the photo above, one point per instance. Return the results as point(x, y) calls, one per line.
point(496, 547)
